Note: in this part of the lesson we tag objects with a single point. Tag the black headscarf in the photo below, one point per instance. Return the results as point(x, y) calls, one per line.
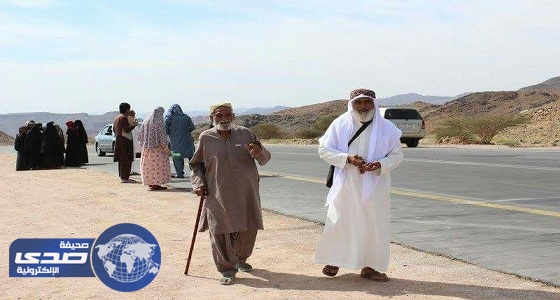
point(81, 131)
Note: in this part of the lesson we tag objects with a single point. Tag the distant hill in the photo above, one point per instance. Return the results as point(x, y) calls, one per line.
point(295, 119)
point(197, 113)
point(6, 138)
point(540, 101)
point(239, 111)
point(491, 103)
point(471, 104)
point(412, 97)
point(262, 110)
point(203, 116)
point(325, 108)
point(542, 105)
point(550, 84)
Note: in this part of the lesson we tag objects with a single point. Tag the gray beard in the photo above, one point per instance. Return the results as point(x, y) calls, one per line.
point(363, 117)
point(223, 126)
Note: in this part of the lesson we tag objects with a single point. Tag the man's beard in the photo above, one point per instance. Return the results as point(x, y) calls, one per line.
point(223, 126)
point(363, 116)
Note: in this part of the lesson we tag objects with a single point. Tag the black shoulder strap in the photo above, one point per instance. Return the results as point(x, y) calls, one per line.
point(364, 125)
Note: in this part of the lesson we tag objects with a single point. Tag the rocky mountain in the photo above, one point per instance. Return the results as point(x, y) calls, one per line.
point(200, 118)
point(542, 105)
point(241, 111)
point(540, 101)
point(550, 84)
point(544, 128)
point(313, 110)
point(295, 119)
point(491, 103)
point(6, 138)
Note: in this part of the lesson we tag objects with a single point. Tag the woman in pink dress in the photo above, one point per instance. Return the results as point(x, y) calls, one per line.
point(154, 162)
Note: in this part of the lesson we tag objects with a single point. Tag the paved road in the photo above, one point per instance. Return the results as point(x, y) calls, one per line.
point(499, 208)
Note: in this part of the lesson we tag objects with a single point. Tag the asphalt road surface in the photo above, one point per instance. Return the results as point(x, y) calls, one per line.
point(498, 208)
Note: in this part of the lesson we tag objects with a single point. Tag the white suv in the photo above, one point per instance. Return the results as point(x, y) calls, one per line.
point(409, 121)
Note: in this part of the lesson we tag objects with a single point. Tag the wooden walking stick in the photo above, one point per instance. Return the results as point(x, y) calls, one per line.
point(194, 233)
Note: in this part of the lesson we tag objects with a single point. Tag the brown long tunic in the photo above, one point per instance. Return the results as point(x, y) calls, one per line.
point(124, 147)
point(231, 177)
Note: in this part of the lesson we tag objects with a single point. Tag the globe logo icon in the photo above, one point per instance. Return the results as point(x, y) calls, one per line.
point(127, 258)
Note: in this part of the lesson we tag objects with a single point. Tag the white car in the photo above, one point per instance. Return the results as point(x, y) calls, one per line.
point(409, 121)
point(105, 141)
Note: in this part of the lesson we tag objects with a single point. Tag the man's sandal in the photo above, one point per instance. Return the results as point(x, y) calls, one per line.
point(244, 267)
point(371, 274)
point(226, 280)
point(330, 271)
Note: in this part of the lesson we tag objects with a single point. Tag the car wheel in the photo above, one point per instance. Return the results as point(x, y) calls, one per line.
point(113, 147)
point(412, 143)
point(98, 151)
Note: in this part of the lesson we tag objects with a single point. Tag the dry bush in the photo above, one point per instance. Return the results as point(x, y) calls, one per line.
point(485, 128)
point(308, 133)
point(268, 131)
point(453, 130)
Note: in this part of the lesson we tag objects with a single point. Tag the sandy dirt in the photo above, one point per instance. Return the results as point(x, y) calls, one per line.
point(80, 203)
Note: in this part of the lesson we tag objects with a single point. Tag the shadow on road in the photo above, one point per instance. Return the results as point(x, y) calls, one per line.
point(395, 287)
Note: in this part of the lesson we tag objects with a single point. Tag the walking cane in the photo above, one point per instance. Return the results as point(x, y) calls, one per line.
point(194, 233)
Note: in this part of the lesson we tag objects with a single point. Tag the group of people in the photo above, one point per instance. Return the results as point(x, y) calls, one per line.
point(361, 145)
point(161, 136)
point(47, 147)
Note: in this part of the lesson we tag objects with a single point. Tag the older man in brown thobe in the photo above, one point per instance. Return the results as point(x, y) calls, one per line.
point(224, 171)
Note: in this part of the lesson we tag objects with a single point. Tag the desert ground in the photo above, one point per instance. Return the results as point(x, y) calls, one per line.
point(81, 203)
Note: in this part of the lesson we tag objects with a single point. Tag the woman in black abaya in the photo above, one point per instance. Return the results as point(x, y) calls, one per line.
point(52, 148)
point(32, 147)
point(72, 145)
point(82, 143)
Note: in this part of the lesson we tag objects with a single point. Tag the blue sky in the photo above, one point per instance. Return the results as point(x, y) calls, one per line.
point(88, 56)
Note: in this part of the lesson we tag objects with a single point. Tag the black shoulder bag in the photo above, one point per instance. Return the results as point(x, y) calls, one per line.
point(331, 169)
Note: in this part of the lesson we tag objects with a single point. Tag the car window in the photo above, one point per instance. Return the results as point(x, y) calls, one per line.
point(402, 113)
point(109, 130)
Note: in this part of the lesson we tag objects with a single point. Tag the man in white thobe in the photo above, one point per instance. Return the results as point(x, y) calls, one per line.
point(356, 234)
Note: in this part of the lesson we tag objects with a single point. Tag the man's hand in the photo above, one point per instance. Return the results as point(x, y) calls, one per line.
point(357, 161)
point(200, 191)
point(370, 167)
point(254, 149)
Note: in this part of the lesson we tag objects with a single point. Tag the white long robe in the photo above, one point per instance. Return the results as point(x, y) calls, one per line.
point(356, 233)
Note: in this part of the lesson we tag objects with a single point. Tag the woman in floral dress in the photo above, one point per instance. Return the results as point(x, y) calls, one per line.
point(154, 162)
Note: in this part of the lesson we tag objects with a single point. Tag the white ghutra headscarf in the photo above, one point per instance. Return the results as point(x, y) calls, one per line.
point(384, 137)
